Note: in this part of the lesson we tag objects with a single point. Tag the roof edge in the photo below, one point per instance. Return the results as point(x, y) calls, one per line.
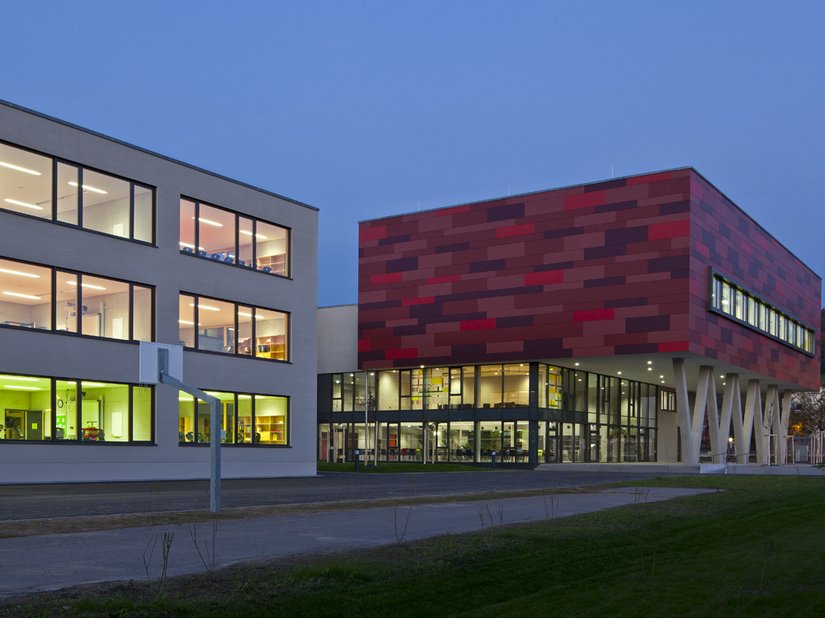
point(120, 142)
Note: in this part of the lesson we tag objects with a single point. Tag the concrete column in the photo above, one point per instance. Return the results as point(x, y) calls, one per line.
point(690, 455)
point(730, 399)
point(753, 418)
point(787, 396)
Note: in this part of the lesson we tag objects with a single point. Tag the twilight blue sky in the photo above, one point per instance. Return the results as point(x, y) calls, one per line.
point(369, 108)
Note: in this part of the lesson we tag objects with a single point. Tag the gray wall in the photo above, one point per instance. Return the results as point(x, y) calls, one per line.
point(66, 356)
point(338, 339)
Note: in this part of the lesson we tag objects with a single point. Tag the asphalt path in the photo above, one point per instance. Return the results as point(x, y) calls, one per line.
point(72, 500)
point(50, 562)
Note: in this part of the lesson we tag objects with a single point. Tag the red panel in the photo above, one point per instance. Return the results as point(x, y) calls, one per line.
point(400, 353)
point(485, 324)
point(583, 200)
point(515, 230)
point(674, 346)
point(409, 302)
point(372, 233)
point(669, 230)
point(387, 278)
point(544, 277)
point(594, 314)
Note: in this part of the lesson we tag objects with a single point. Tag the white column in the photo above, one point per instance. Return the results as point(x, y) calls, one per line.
point(717, 450)
point(690, 455)
point(787, 396)
point(770, 421)
point(753, 418)
point(730, 400)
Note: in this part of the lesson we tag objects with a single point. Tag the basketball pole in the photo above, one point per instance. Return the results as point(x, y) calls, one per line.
point(214, 427)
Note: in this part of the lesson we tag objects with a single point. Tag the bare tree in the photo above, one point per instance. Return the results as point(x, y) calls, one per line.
point(808, 412)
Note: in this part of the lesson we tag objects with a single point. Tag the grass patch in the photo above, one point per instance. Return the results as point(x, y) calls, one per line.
point(754, 549)
point(400, 467)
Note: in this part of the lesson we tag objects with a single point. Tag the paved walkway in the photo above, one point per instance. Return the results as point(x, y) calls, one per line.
point(71, 500)
point(50, 562)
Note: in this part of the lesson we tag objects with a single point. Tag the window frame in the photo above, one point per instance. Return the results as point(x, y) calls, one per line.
point(54, 270)
point(253, 415)
point(237, 304)
point(52, 218)
point(196, 252)
point(776, 321)
point(79, 413)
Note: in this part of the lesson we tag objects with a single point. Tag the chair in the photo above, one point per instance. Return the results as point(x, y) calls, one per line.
point(189, 250)
point(202, 253)
point(266, 269)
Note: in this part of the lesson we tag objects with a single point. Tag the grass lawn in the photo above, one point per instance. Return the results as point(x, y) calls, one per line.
point(755, 549)
point(324, 466)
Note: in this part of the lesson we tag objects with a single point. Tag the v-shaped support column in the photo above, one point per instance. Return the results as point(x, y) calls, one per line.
point(731, 409)
point(753, 418)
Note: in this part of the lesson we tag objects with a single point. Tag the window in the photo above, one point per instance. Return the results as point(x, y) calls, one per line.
point(737, 303)
point(38, 409)
point(229, 328)
point(84, 304)
point(46, 187)
point(228, 237)
point(246, 419)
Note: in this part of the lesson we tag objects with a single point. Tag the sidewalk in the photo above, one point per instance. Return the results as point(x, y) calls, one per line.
point(51, 562)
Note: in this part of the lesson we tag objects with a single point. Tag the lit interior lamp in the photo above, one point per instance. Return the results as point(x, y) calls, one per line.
point(17, 168)
point(9, 200)
point(19, 295)
point(209, 222)
point(248, 233)
point(19, 273)
point(72, 183)
point(90, 286)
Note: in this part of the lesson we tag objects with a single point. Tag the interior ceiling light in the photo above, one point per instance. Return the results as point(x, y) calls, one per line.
point(248, 233)
point(89, 188)
point(17, 168)
point(17, 387)
point(19, 295)
point(19, 378)
point(209, 222)
point(187, 323)
point(91, 286)
point(19, 273)
point(207, 307)
point(9, 200)
point(243, 314)
point(93, 384)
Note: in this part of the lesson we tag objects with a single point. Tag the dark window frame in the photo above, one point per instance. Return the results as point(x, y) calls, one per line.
point(54, 271)
point(52, 218)
point(288, 328)
point(255, 220)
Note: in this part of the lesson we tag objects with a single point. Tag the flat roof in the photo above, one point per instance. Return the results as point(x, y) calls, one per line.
point(154, 154)
point(596, 182)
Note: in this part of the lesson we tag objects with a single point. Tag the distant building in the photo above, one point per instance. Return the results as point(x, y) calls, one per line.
point(605, 322)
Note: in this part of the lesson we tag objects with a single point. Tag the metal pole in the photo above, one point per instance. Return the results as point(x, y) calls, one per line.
point(214, 428)
point(366, 418)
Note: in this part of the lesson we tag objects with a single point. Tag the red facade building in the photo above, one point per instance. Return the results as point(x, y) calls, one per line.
point(658, 278)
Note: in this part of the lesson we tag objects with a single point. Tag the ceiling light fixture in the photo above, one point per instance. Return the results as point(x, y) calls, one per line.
point(209, 222)
point(9, 200)
point(18, 387)
point(93, 384)
point(186, 322)
point(19, 273)
point(248, 233)
point(17, 168)
point(91, 286)
point(649, 362)
point(89, 188)
point(19, 295)
point(207, 307)
point(20, 378)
